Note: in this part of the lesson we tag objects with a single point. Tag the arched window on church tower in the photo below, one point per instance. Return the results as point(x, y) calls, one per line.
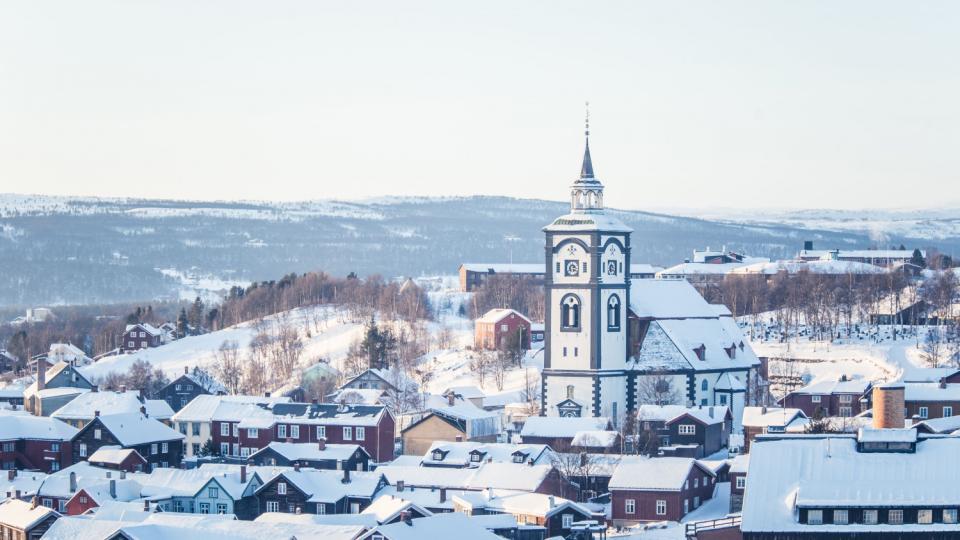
point(613, 313)
point(570, 313)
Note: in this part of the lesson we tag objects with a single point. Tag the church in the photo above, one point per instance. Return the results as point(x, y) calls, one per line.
point(612, 343)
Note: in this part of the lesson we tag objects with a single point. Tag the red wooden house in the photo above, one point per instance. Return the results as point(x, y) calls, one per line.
point(659, 489)
point(497, 326)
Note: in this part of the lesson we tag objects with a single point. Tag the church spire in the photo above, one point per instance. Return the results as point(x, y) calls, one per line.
point(586, 171)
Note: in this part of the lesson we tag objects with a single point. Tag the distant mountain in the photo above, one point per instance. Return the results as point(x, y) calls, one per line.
point(63, 250)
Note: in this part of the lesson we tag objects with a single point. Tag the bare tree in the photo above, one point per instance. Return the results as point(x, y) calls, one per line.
point(531, 391)
point(658, 389)
point(228, 367)
point(933, 347)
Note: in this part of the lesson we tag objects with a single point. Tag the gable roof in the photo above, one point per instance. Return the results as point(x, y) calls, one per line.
point(132, 429)
point(314, 414)
point(84, 406)
point(772, 416)
point(209, 407)
point(654, 474)
point(148, 328)
point(326, 486)
point(113, 455)
point(496, 315)
point(387, 507)
point(448, 525)
point(513, 476)
point(560, 427)
point(851, 386)
point(22, 425)
point(52, 372)
point(311, 451)
point(23, 515)
point(459, 453)
point(670, 413)
point(668, 299)
point(595, 438)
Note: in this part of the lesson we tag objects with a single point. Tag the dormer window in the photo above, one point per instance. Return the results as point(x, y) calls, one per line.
point(701, 352)
point(437, 455)
point(518, 458)
point(475, 457)
point(732, 352)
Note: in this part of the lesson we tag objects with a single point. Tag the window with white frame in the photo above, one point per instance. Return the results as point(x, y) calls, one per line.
point(281, 488)
point(846, 398)
point(164, 447)
point(741, 482)
point(295, 431)
point(97, 434)
point(321, 432)
point(566, 521)
point(947, 411)
point(840, 517)
point(949, 515)
point(925, 517)
point(814, 517)
point(348, 433)
point(153, 448)
point(204, 508)
point(846, 412)
point(273, 506)
point(236, 429)
point(224, 429)
point(661, 507)
point(360, 433)
point(630, 506)
point(221, 508)
point(224, 449)
point(895, 517)
point(213, 493)
point(321, 508)
point(696, 483)
point(687, 429)
point(504, 328)
point(253, 433)
point(815, 398)
point(924, 412)
point(282, 431)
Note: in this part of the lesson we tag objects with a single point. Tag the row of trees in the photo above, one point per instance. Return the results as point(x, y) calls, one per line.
point(501, 291)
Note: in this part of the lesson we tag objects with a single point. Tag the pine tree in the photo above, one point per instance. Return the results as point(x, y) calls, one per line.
point(195, 317)
point(917, 259)
point(182, 323)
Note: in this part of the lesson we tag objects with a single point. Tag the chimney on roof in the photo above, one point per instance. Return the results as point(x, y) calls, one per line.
point(489, 493)
point(943, 382)
point(321, 444)
point(186, 370)
point(346, 475)
point(459, 438)
point(553, 501)
point(11, 474)
point(33, 502)
point(296, 466)
point(96, 414)
point(405, 517)
point(143, 410)
point(451, 399)
point(443, 495)
point(888, 406)
point(400, 486)
point(763, 410)
point(243, 474)
point(113, 489)
point(266, 394)
point(41, 374)
point(146, 506)
point(73, 482)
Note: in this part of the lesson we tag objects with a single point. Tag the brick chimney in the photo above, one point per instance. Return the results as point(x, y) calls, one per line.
point(451, 399)
point(888, 405)
point(346, 475)
point(243, 474)
point(321, 444)
point(400, 485)
point(146, 506)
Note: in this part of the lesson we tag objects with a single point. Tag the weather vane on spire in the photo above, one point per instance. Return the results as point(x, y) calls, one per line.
point(586, 122)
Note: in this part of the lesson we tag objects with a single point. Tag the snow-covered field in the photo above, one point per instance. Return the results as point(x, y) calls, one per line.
point(330, 338)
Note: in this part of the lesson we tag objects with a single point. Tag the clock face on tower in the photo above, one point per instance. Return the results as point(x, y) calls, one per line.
point(571, 268)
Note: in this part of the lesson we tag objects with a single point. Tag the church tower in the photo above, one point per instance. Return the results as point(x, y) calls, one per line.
point(587, 293)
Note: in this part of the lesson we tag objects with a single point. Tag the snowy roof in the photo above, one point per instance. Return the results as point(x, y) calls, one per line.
point(595, 438)
point(673, 344)
point(83, 407)
point(699, 268)
point(52, 372)
point(17, 425)
point(828, 472)
point(365, 520)
point(657, 474)
point(667, 413)
point(207, 408)
point(326, 486)
point(148, 328)
point(448, 525)
point(312, 413)
point(512, 476)
point(862, 253)
point(22, 515)
point(852, 386)
point(740, 463)
point(466, 392)
point(498, 314)
point(387, 507)
point(668, 299)
point(928, 374)
point(311, 451)
point(560, 427)
point(113, 455)
point(599, 221)
point(519, 503)
point(358, 396)
point(132, 429)
point(948, 424)
point(866, 434)
point(25, 482)
point(814, 267)
point(167, 482)
point(771, 416)
point(87, 476)
point(459, 453)
point(931, 392)
point(206, 381)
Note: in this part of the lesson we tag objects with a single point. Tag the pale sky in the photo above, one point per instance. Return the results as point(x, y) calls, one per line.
point(841, 104)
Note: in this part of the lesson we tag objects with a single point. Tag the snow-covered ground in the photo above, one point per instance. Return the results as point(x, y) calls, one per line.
point(330, 338)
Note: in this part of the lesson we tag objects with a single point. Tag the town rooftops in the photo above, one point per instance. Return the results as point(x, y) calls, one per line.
point(461, 454)
point(654, 474)
point(824, 472)
point(207, 408)
point(496, 315)
point(19, 425)
point(85, 406)
point(850, 386)
point(312, 413)
point(133, 429)
point(113, 455)
point(324, 486)
point(387, 508)
point(830, 267)
point(448, 525)
point(22, 515)
point(947, 424)
point(512, 476)
point(699, 344)
point(931, 392)
point(560, 427)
